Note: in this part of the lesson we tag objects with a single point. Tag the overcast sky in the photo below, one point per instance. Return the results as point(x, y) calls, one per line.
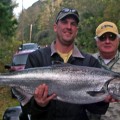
point(26, 4)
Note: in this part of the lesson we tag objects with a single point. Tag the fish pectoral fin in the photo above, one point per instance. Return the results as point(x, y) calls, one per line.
point(96, 93)
point(21, 95)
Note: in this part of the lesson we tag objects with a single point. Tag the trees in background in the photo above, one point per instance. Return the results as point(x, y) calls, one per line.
point(8, 25)
point(7, 20)
point(41, 16)
point(92, 13)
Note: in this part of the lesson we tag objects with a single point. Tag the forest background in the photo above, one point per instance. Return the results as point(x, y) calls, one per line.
point(35, 24)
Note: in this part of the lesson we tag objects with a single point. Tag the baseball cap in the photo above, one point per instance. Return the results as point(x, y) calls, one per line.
point(65, 12)
point(106, 27)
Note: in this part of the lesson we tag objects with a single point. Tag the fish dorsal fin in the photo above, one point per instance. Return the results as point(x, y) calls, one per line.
point(21, 95)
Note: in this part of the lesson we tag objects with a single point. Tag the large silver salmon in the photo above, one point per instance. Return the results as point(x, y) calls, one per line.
point(71, 83)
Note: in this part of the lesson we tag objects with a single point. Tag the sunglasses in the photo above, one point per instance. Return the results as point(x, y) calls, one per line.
point(67, 10)
point(104, 37)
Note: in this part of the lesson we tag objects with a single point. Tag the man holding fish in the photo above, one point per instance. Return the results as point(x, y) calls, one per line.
point(43, 106)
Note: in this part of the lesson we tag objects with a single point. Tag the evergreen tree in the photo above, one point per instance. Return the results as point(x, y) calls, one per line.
point(7, 20)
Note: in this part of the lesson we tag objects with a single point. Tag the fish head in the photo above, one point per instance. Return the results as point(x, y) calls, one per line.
point(113, 88)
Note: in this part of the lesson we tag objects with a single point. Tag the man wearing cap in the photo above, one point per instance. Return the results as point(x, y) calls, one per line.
point(63, 50)
point(107, 41)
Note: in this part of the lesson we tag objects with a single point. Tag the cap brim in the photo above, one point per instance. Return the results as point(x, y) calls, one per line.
point(105, 31)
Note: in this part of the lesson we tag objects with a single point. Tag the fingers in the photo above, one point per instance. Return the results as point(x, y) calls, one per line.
point(108, 99)
point(52, 97)
point(41, 91)
point(111, 99)
point(41, 95)
point(45, 92)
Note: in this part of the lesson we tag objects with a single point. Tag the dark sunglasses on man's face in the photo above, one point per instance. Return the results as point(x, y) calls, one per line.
point(109, 36)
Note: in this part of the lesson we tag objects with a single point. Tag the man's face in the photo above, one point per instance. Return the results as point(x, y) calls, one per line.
point(66, 30)
point(108, 43)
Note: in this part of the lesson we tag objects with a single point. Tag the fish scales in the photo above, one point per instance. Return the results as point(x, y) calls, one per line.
point(71, 83)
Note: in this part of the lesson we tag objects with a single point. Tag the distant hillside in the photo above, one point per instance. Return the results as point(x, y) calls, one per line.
point(33, 11)
point(39, 16)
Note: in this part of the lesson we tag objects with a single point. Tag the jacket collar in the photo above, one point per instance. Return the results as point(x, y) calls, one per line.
point(76, 52)
point(116, 56)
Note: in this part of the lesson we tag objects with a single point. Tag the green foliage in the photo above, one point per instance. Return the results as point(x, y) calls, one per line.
point(92, 13)
point(7, 49)
point(6, 100)
point(42, 15)
point(7, 21)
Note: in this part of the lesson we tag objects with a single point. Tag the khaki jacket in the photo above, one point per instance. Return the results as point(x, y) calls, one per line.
point(113, 65)
point(113, 112)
